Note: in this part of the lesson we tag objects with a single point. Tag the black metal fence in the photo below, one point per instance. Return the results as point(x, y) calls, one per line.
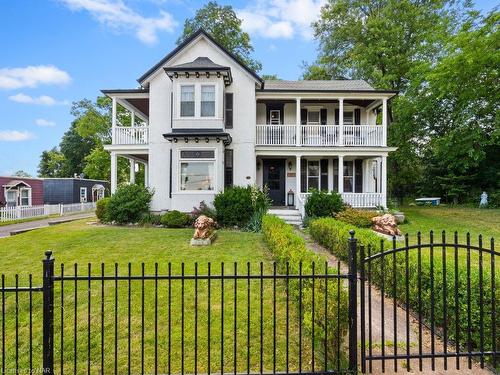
point(177, 319)
point(419, 304)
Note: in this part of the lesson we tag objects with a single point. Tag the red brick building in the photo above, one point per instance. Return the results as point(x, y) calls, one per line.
point(20, 191)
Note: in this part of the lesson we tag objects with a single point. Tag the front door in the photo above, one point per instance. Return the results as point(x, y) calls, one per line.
point(274, 179)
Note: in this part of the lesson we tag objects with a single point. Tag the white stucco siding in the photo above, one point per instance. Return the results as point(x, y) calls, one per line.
point(159, 149)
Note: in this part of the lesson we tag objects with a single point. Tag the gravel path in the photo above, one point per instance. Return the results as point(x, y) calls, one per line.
point(388, 322)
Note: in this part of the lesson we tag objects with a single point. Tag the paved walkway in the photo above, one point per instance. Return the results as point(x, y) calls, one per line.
point(6, 229)
point(388, 320)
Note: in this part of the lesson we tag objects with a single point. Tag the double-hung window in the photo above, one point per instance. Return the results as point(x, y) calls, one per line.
point(197, 170)
point(11, 198)
point(207, 108)
point(313, 174)
point(187, 101)
point(348, 118)
point(349, 176)
point(25, 197)
point(313, 118)
point(83, 194)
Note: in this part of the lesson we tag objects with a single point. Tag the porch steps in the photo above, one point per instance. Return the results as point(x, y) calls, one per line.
point(290, 216)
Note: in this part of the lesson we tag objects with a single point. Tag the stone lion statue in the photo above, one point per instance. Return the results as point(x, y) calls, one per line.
point(386, 224)
point(204, 227)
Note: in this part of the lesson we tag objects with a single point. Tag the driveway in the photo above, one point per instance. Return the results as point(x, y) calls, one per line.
point(6, 229)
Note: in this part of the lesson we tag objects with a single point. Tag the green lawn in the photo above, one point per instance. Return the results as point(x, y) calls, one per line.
point(462, 219)
point(82, 243)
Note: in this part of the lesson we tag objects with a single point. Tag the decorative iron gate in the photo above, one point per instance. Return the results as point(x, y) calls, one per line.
point(426, 297)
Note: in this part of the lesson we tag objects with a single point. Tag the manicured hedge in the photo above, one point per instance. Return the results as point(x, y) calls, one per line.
point(333, 234)
point(288, 247)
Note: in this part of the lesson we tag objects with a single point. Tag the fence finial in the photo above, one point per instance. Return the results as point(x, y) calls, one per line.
point(352, 232)
point(48, 254)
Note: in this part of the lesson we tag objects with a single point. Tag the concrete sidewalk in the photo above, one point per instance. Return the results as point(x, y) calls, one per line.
point(6, 229)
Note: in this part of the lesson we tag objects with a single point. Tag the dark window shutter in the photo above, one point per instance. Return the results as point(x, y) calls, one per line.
point(228, 101)
point(228, 168)
point(303, 176)
point(357, 116)
point(170, 175)
point(323, 168)
point(358, 176)
point(335, 174)
point(323, 114)
point(303, 116)
point(337, 116)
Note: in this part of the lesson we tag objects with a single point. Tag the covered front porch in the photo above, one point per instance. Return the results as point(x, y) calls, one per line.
point(359, 178)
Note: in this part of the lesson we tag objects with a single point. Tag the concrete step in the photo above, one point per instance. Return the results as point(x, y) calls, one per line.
point(284, 212)
point(290, 217)
point(297, 223)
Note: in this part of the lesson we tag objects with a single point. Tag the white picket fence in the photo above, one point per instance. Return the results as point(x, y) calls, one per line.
point(27, 212)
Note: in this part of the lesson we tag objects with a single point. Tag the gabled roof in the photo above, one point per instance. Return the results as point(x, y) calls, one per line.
point(15, 183)
point(186, 42)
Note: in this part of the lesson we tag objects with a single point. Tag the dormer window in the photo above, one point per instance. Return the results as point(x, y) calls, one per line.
point(187, 101)
point(207, 108)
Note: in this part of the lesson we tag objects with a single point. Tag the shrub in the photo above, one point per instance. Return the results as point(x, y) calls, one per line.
point(128, 204)
point(150, 219)
point(203, 209)
point(236, 205)
point(323, 204)
point(359, 218)
point(290, 249)
point(101, 208)
point(333, 234)
point(176, 219)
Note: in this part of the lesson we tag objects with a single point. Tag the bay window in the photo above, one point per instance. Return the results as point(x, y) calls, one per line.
point(197, 170)
point(207, 108)
point(187, 101)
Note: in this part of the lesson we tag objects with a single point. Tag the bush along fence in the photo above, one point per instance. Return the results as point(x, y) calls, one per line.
point(28, 212)
point(281, 317)
point(449, 287)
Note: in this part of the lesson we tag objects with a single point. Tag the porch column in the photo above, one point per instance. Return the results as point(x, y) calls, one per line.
point(297, 123)
point(384, 122)
point(341, 122)
point(132, 171)
point(114, 174)
point(146, 175)
point(383, 181)
point(341, 174)
point(297, 180)
point(113, 120)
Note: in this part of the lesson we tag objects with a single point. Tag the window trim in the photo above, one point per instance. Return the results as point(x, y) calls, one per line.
point(176, 90)
point(194, 160)
point(201, 99)
point(15, 201)
point(20, 195)
point(83, 188)
point(180, 99)
point(314, 122)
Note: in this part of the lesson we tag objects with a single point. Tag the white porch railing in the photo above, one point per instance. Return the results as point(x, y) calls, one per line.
point(271, 135)
point(130, 135)
point(28, 212)
point(356, 200)
point(320, 135)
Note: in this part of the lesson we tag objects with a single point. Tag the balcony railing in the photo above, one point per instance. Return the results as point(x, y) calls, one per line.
point(130, 135)
point(320, 135)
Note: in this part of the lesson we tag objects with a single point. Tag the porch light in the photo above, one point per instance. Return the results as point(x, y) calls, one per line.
point(289, 165)
point(290, 198)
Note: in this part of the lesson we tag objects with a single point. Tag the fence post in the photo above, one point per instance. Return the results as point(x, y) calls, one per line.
point(353, 308)
point(48, 313)
point(61, 209)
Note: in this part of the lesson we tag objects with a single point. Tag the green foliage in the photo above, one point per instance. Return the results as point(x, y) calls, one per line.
point(204, 209)
point(150, 218)
point(222, 23)
point(129, 203)
point(74, 147)
point(236, 205)
point(323, 204)
point(101, 209)
point(21, 173)
point(51, 164)
point(333, 234)
point(358, 218)
point(175, 219)
point(270, 77)
point(291, 254)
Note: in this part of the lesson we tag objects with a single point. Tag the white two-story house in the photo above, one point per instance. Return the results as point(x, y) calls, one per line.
point(202, 121)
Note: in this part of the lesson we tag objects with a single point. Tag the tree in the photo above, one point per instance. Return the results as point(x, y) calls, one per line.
point(52, 163)
point(98, 167)
point(270, 77)
point(225, 27)
point(21, 173)
point(75, 148)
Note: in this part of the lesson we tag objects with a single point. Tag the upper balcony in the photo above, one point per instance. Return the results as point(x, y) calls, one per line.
point(321, 114)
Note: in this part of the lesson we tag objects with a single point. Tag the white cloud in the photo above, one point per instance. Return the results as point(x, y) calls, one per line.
point(41, 100)
point(32, 76)
point(280, 18)
point(15, 135)
point(117, 15)
point(44, 123)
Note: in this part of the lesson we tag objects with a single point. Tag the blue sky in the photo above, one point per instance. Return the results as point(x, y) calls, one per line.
point(55, 52)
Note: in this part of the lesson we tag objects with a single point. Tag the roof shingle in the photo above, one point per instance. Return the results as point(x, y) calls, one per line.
point(319, 85)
